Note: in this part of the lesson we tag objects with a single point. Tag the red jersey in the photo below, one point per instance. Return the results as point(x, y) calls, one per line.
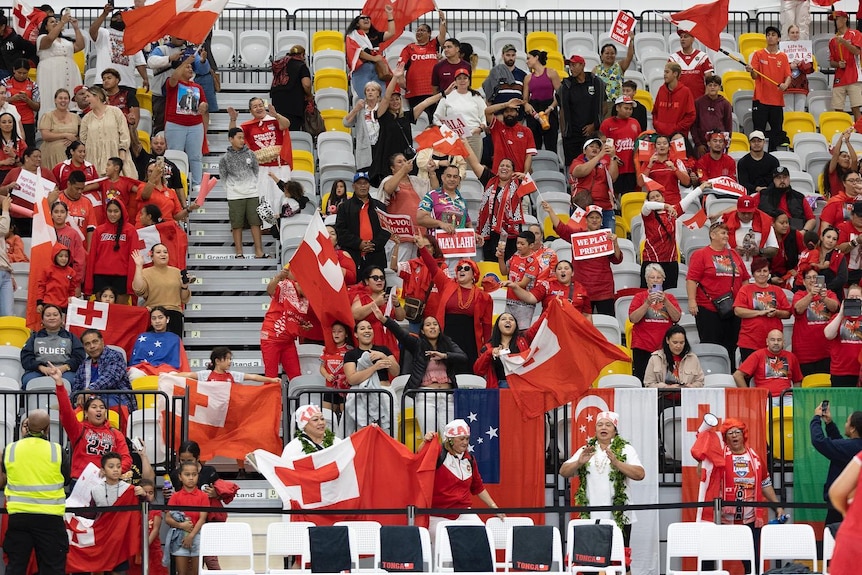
point(774, 372)
point(753, 331)
point(333, 363)
point(419, 62)
point(837, 210)
point(62, 170)
point(852, 72)
point(648, 333)
point(547, 291)
point(660, 234)
point(774, 66)
point(264, 133)
point(667, 178)
point(695, 67)
point(846, 233)
point(809, 343)
point(164, 198)
point(708, 167)
point(286, 312)
point(717, 273)
point(29, 88)
point(513, 143)
point(125, 99)
point(521, 267)
point(82, 212)
point(122, 190)
point(624, 134)
point(844, 349)
point(182, 103)
point(597, 182)
point(456, 480)
point(547, 259)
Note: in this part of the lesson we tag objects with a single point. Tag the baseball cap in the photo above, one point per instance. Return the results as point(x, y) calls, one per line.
point(78, 89)
point(592, 141)
point(360, 176)
point(592, 208)
point(746, 204)
point(780, 171)
point(838, 14)
point(575, 59)
point(508, 47)
point(626, 100)
point(460, 71)
point(680, 32)
point(756, 134)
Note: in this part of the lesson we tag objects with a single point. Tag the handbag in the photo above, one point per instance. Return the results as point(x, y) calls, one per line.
point(723, 303)
point(265, 211)
point(415, 307)
point(384, 72)
point(313, 121)
point(592, 545)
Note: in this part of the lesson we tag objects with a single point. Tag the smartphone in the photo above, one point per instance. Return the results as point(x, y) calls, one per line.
point(656, 288)
point(821, 281)
point(824, 406)
point(137, 444)
point(853, 307)
point(184, 276)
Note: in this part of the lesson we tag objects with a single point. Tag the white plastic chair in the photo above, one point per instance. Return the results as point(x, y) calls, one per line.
point(255, 47)
point(332, 99)
point(626, 274)
point(479, 40)
point(556, 554)
point(500, 39)
point(688, 323)
point(470, 381)
point(788, 541)
point(579, 43)
point(683, 540)
point(649, 43)
point(223, 45)
point(500, 528)
point(364, 539)
point(286, 39)
point(621, 310)
point(713, 357)
point(724, 380)
point(618, 553)
point(828, 549)
point(146, 424)
point(227, 540)
point(726, 542)
point(329, 59)
point(609, 327)
point(619, 380)
point(180, 158)
point(288, 538)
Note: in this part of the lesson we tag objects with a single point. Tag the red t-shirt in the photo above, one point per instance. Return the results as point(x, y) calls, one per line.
point(717, 272)
point(846, 233)
point(419, 62)
point(596, 182)
point(165, 198)
point(624, 134)
point(660, 234)
point(709, 168)
point(182, 102)
point(194, 498)
point(851, 73)
point(809, 343)
point(547, 291)
point(774, 66)
point(667, 178)
point(774, 372)
point(521, 267)
point(81, 211)
point(515, 143)
point(844, 349)
point(121, 190)
point(753, 331)
point(648, 333)
point(265, 133)
point(837, 210)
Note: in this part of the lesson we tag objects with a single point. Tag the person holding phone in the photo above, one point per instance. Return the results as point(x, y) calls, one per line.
point(831, 445)
point(652, 312)
point(845, 333)
point(812, 309)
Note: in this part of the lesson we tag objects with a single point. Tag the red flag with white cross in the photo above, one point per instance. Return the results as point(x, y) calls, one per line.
point(119, 324)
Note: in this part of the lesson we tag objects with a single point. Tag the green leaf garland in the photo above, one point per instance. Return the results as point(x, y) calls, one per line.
point(617, 477)
point(309, 447)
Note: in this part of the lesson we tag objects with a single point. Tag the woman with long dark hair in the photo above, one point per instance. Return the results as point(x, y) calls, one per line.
point(367, 39)
point(76, 161)
point(368, 366)
point(12, 144)
point(110, 263)
point(782, 266)
point(370, 295)
point(673, 365)
point(829, 262)
point(337, 195)
point(504, 339)
point(57, 67)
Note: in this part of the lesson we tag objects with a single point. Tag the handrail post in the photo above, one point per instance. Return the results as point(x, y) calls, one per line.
point(145, 543)
point(411, 515)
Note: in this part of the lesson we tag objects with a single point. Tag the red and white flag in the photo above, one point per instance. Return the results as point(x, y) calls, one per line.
point(26, 20)
point(705, 22)
point(637, 425)
point(170, 234)
point(190, 20)
point(651, 185)
point(728, 186)
point(315, 266)
point(368, 470)
point(548, 375)
point(44, 238)
point(443, 140)
point(404, 12)
point(119, 324)
point(527, 187)
point(696, 221)
point(228, 420)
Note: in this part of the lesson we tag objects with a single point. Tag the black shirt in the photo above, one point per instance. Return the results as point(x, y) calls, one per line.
point(354, 354)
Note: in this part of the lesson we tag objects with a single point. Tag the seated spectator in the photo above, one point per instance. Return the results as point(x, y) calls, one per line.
point(103, 369)
point(780, 196)
point(755, 169)
point(595, 170)
point(57, 282)
point(813, 308)
point(772, 367)
point(673, 364)
point(782, 266)
point(218, 369)
point(750, 232)
point(238, 169)
point(562, 284)
point(673, 110)
point(652, 312)
point(285, 320)
point(162, 286)
point(844, 333)
point(522, 270)
point(157, 346)
point(829, 262)
point(12, 144)
point(371, 294)
point(505, 339)
point(395, 135)
point(368, 366)
point(667, 172)
point(761, 307)
point(14, 245)
point(51, 345)
point(716, 162)
point(840, 206)
point(713, 114)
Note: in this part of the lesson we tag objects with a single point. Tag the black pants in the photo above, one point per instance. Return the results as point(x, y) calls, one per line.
point(604, 307)
point(671, 272)
point(573, 146)
point(626, 183)
point(489, 248)
point(713, 329)
point(44, 534)
point(30, 134)
point(744, 352)
point(176, 320)
point(821, 366)
point(844, 380)
point(640, 359)
point(763, 114)
point(546, 139)
point(158, 113)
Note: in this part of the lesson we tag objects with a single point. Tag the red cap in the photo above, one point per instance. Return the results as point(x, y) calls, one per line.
point(577, 59)
point(746, 204)
point(460, 71)
point(78, 89)
point(838, 14)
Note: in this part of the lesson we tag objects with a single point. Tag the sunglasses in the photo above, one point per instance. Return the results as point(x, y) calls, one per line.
point(377, 278)
point(464, 268)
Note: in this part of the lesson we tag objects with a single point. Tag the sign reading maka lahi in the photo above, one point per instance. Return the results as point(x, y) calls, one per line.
point(399, 224)
point(457, 124)
point(461, 244)
point(589, 245)
point(622, 25)
point(797, 50)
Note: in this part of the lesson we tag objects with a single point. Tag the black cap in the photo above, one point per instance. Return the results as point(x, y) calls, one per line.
point(780, 171)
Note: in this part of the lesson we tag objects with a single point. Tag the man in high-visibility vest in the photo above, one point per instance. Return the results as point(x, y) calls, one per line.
point(33, 473)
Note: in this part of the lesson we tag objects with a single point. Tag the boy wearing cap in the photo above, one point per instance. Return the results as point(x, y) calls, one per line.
point(673, 110)
point(770, 69)
point(581, 97)
point(750, 231)
point(695, 66)
point(844, 49)
point(716, 163)
point(623, 130)
point(755, 168)
point(713, 113)
point(419, 59)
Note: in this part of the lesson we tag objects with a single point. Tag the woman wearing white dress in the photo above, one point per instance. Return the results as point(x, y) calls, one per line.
point(105, 132)
point(57, 67)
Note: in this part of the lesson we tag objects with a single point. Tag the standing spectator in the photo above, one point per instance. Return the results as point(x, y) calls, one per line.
point(31, 161)
point(539, 89)
point(362, 120)
point(716, 162)
point(460, 98)
point(581, 99)
point(443, 74)
point(118, 187)
point(505, 81)
point(756, 168)
point(109, 263)
point(33, 473)
point(667, 172)
point(611, 70)
point(359, 231)
point(750, 231)
point(291, 86)
point(57, 282)
point(57, 67)
point(761, 307)
point(716, 272)
point(76, 161)
point(163, 58)
point(827, 260)
point(791, 243)
point(504, 338)
point(812, 309)
point(416, 282)
point(363, 41)
point(155, 192)
point(162, 286)
point(595, 171)
point(143, 159)
point(186, 115)
point(238, 170)
point(6, 281)
point(844, 49)
point(370, 294)
point(695, 67)
point(842, 162)
point(522, 269)
point(25, 96)
point(105, 131)
point(652, 312)
point(839, 207)
point(624, 130)
point(110, 49)
point(561, 285)
point(59, 128)
point(9, 108)
point(846, 337)
point(122, 97)
point(797, 92)
point(780, 197)
point(395, 126)
point(849, 233)
point(511, 140)
point(713, 114)
point(285, 320)
point(419, 59)
point(674, 365)
point(69, 238)
point(12, 144)
point(771, 72)
point(337, 195)
point(673, 110)
point(13, 47)
point(82, 212)
point(402, 193)
point(837, 450)
point(444, 207)
point(639, 113)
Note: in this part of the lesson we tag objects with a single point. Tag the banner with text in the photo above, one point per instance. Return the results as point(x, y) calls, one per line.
point(621, 27)
point(399, 224)
point(589, 245)
point(461, 244)
point(797, 50)
point(457, 124)
point(28, 186)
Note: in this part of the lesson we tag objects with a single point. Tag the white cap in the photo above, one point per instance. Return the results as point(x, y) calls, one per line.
point(611, 416)
point(456, 428)
point(304, 414)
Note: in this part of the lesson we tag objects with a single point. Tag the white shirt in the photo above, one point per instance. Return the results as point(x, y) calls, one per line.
point(771, 241)
point(468, 105)
point(600, 490)
point(109, 54)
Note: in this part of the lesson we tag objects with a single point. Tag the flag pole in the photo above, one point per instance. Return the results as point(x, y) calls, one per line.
point(735, 57)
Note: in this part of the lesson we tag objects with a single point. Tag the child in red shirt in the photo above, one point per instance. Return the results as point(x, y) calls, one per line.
point(15, 246)
point(218, 369)
point(332, 367)
point(187, 549)
point(58, 281)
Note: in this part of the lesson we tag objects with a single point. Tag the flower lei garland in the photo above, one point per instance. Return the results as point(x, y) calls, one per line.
point(309, 447)
point(618, 480)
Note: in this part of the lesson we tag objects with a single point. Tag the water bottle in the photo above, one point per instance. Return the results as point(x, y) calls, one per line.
point(543, 120)
point(780, 520)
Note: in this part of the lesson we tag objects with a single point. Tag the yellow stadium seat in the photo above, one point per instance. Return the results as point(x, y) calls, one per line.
point(303, 160)
point(629, 329)
point(548, 228)
point(477, 78)
point(32, 74)
point(544, 41)
point(146, 383)
point(327, 40)
point(113, 418)
point(620, 229)
point(736, 80)
point(751, 43)
point(81, 61)
point(820, 189)
point(333, 120)
point(556, 61)
point(13, 331)
point(616, 367)
point(492, 268)
point(145, 140)
point(832, 123)
point(413, 436)
point(784, 413)
point(145, 99)
point(630, 206)
point(798, 122)
point(817, 380)
point(644, 98)
point(185, 181)
point(330, 78)
point(738, 142)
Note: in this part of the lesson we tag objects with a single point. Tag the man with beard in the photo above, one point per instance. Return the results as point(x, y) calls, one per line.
point(109, 49)
point(780, 197)
point(143, 159)
point(511, 140)
point(505, 81)
point(419, 59)
point(716, 162)
point(755, 168)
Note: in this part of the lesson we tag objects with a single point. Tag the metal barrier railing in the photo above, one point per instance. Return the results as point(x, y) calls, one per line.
point(362, 407)
point(562, 21)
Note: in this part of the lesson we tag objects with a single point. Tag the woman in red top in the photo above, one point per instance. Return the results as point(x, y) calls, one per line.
point(667, 172)
point(842, 163)
point(826, 258)
point(464, 311)
point(845, 333)
point(369, 293)
point(652, 312)
point(761, 306)
point(348, 266)
point(76, 154)
point(12, 144)
point(812, 308)
point(848, 543)
point(415, 277)
point(285, 320)
point(561, 285)
point(660, 246)
point(71, 238)
point(156, 191)
point(593, 172)
point(782, 266)
point(109, 263)
point(185, 111)
point(714, 272)
point(504, 339)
